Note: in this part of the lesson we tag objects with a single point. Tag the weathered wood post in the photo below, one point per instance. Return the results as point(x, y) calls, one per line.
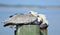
point(28, 30)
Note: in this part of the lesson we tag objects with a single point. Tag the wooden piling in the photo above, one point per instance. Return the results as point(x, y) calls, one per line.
point(30, 30)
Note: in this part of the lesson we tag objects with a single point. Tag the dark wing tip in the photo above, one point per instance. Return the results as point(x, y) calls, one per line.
point(8, 24)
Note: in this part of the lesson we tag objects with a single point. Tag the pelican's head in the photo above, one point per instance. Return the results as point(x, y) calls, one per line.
point(41, 16)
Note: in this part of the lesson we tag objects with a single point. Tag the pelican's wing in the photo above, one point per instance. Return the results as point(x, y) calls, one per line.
point(20, 18)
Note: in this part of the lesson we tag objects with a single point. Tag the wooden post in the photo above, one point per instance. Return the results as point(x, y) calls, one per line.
point(28, 30)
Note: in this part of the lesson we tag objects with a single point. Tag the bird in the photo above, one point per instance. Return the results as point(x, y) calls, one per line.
point(43, 20)
point(20, 19)
point(30, 17)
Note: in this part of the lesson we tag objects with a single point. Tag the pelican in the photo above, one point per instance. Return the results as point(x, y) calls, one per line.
point(27, 18)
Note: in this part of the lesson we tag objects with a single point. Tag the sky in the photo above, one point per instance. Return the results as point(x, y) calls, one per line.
point(53, 16)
